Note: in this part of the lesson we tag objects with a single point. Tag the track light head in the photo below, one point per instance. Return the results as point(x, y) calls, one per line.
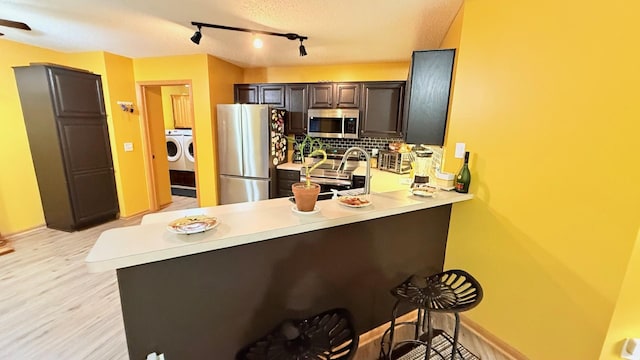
point(197, 36)
point(303, 51)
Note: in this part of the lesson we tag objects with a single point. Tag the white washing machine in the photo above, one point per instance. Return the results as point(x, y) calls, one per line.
point(175, 151)
point(189, 152)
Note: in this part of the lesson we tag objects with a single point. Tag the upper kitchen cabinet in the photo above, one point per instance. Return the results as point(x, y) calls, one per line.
point(266, 94)
point(382, 109)
point(334, 95)
point(296, 106)
point(427, 100)
point(66, 124)
point(245, 93)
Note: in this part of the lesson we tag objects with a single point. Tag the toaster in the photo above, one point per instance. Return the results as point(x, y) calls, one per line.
point(394, 161)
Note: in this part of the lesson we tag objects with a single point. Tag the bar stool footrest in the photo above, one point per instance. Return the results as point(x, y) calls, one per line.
point(440, 348)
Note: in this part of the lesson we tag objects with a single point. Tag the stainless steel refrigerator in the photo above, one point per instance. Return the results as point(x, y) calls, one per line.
point(251, 143)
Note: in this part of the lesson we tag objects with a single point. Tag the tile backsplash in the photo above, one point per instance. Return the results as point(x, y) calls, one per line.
point(373, 143)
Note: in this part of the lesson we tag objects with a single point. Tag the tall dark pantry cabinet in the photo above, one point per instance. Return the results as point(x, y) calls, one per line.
point(66, 124)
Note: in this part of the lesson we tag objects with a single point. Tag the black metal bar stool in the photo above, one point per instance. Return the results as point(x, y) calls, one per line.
point(329, 335)
point(451, 291)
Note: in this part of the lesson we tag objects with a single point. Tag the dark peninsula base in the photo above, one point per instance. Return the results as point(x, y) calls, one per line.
point(209, 305)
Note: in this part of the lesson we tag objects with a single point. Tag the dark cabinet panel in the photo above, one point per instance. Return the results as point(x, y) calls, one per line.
point(382, 109)
point(246, 94)
point(86, 141)
point(88, 201)
point(75, 94)
point(334, 95)
point(267, 94)
point(427, 99)
point(286, 178)
point(272, 95)
point(347, 95)
point(321, 96)
point(67, 130)
point(296, 106)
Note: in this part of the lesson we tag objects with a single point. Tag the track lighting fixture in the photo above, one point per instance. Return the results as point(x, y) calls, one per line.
point(197, 36)
point(303, 51)
point(291, 36)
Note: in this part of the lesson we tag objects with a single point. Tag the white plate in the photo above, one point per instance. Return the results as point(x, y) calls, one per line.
point(192, 224)
point(342, 200)
point(315, 210)
point(423, 192)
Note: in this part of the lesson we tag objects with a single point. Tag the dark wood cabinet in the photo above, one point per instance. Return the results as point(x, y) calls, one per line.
point(321, 96)
point(245, 94)
point(382, 109)
point(267, 94)
point(66, 126)
point(296, 106)
point(334, 95)
point(427, 98)
point(347, 95)
point(380, 103)
point(272, 95)
point(285, 179)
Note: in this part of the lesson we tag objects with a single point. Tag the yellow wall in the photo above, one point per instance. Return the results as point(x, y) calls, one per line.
point(20, 206)
point(207, 75)
point(167, 106)
point(546, 101)
point(452, 41)
point(626, 318)
point(119, 85)
point(222, 76)
point(212, 81)
point(347, 72)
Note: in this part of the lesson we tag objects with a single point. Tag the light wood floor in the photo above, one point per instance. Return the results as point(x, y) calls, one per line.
point(52, 308)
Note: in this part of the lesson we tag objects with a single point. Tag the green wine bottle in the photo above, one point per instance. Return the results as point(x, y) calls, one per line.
point(463, 179)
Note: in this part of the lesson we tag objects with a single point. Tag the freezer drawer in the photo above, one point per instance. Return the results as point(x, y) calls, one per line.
point(237, 189)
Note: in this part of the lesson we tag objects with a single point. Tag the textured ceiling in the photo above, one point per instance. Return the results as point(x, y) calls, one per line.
point(339, 31)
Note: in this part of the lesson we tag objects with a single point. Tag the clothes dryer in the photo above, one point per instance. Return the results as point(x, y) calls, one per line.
point(175, 152)
point(189, 152)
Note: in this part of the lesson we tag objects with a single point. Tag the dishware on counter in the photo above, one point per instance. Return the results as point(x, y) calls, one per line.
point(192, 224)
point(424, 190)
point(354, 201)
point(315, 210)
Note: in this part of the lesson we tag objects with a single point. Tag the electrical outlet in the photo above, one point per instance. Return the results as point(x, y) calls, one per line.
point(128, 146)
point(460, 149)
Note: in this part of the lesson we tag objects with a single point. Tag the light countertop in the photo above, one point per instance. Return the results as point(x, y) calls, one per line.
point(242, 224)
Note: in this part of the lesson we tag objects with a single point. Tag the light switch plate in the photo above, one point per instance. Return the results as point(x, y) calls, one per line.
point(128, 146)
point(460, 149)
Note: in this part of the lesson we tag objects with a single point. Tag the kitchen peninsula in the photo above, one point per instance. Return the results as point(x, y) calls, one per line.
point(193, 296)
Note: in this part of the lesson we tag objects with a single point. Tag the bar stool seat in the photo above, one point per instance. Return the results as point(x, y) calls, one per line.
point(451, 291)
point(328, 335)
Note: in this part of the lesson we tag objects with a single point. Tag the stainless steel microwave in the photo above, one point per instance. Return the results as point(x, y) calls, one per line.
point(333, 123)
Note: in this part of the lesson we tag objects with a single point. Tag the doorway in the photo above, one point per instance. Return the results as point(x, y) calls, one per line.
point(168, 139)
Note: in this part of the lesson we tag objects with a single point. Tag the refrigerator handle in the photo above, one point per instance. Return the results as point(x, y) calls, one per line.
point(243, 118)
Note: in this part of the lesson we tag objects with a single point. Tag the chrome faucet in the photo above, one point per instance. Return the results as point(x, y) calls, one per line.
point(368, 159)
